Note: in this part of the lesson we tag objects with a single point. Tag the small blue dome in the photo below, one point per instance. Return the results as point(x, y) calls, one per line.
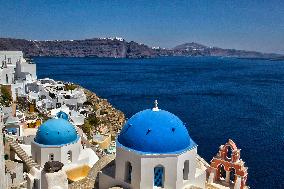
point(155, 132)
point(56, 132)
point(62, 115)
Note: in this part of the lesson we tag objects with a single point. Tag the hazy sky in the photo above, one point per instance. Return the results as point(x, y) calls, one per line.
point(241, 24)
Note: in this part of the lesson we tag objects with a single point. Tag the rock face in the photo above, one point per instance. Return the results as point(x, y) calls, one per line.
point(119, 48)
point(53, 166)
point(110, 119)
point(79, 48)
point(195, 49)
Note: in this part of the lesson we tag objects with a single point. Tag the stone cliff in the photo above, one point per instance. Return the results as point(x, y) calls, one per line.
point(119, 48)
point(79, 48)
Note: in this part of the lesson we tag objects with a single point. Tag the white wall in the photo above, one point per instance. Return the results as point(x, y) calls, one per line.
point(191, 156)
point(40, 153)
point(169, 162)
point(13, 55)
point(18, 170)
point(123, 156)
point(143, 169)
point(17, 89)
point(7, 73)
point(54, 180)
point(24, 67)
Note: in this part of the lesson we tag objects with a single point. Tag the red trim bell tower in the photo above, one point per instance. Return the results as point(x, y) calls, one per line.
point(227, 168)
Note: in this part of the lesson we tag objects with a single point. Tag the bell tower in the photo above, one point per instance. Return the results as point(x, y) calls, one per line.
point(227, 168)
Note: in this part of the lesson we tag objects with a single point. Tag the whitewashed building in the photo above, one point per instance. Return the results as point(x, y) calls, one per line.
point(16, 72)
point(51, 94)
point(154, 150)
point(57, 140)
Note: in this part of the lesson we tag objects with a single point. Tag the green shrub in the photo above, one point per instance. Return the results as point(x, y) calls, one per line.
point(6, 97)
point(70, 87)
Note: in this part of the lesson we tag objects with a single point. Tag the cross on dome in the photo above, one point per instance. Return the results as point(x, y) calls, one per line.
point(155, 106)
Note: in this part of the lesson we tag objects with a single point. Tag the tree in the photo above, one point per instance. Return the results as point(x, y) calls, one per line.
point(70, 87)
point(90, 124)
point(6, 97)
point(93, 120)
point(87, 128)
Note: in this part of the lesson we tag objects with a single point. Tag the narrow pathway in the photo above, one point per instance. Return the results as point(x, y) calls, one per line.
point(89, 181)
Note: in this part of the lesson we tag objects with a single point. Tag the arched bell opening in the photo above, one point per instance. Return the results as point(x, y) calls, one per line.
point(221, 172)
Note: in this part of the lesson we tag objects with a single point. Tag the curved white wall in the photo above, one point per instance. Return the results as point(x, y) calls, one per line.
point(40, 153)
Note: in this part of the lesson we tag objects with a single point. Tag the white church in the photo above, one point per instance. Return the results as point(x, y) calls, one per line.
point(154, 150)
point(58, 140)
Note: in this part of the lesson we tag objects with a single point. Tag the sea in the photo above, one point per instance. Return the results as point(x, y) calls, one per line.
point(217, 98)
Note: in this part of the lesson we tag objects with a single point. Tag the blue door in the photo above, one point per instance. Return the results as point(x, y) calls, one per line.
point(159, 176)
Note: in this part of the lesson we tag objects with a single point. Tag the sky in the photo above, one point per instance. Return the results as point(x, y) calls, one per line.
point(241, 24)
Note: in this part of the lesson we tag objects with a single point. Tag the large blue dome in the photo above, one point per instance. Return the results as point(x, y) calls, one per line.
point(56, 132)
point(155, 132)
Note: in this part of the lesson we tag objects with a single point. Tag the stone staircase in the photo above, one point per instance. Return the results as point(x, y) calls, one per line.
point(28, 161)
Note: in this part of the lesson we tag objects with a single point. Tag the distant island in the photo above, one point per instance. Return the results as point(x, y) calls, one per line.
point(120, 48)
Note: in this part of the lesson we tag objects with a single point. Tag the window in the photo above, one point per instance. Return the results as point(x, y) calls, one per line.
point(36, 183)
point(185, 170)
point(222, 172)
point(229, 152)
point(69, 156)
point(51, 157)
point(232, 175)
point(128, 172)
point(159, 176)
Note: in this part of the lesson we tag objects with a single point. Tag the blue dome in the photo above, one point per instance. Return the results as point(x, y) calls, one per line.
point(155, 132)
point(56, 132)
point(62, 115)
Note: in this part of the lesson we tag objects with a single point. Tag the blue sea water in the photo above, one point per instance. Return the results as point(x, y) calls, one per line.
point(218, 98)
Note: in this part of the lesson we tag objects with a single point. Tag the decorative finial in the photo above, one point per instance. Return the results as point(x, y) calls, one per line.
point(155, 106)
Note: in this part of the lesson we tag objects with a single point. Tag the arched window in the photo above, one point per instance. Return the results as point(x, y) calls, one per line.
point(232, 175)
point(7, 79)
point(229, 152)
point(51, 157)
point(222, 172)
point(69, 156)
point(128, 172)
point(185, 170)
point(159, 176)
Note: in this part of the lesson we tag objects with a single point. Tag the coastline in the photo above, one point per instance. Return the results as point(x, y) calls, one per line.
point(120, 48)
